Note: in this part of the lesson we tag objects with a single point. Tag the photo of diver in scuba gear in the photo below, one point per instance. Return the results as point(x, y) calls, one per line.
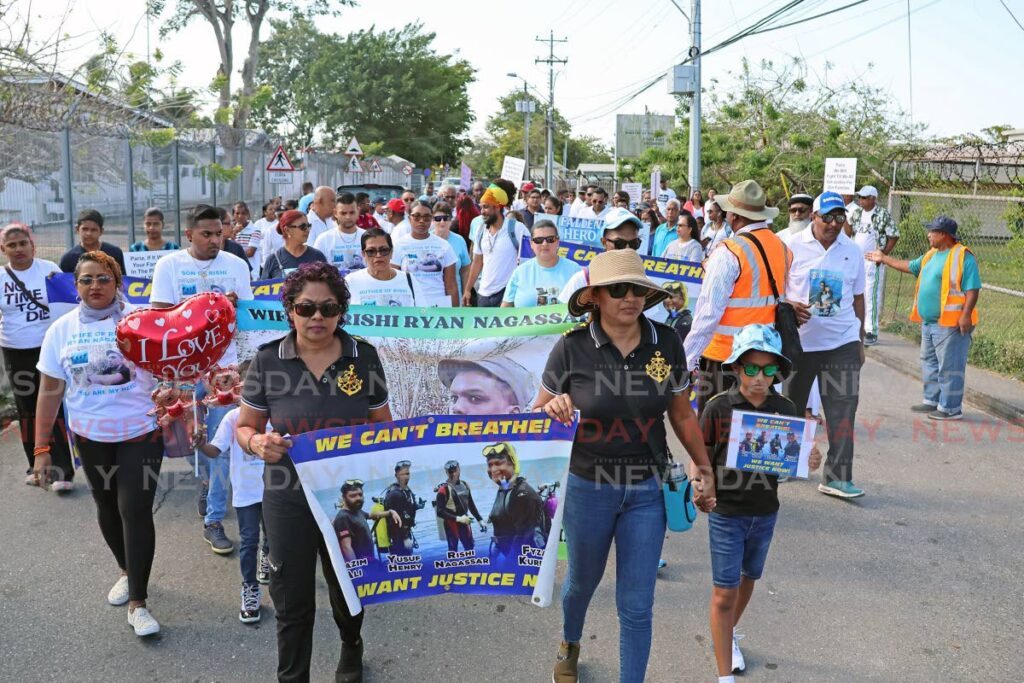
point(518, 512)
point(456, 509)
point(399, 499)
point(350, 524)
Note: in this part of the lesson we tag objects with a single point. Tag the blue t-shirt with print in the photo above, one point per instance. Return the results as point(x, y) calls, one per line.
point(458, 245)
point(531, 281)
point(929, 296)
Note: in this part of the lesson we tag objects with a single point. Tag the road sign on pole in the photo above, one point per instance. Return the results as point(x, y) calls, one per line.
point(353, 149)
point(407, 169)
point(354, 166)
point(375, 166)
point(280, 168)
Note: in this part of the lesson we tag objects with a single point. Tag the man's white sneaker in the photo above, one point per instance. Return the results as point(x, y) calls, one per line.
point(118, 595)
point(62, 486)
point(738, 663)
point(143, 622)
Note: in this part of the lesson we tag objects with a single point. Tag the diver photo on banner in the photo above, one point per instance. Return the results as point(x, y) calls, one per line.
point(439, 504)
point(772, 444)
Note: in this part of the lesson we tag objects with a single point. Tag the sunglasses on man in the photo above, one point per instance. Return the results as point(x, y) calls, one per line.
point(548, 239)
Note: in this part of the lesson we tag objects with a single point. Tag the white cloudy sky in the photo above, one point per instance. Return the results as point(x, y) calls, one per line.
point(966, 56)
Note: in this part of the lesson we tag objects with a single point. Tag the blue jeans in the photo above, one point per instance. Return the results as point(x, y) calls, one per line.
point(943, 366)
point(250, 521)
point(634, 517)
point(739, 546)
point(216, 471)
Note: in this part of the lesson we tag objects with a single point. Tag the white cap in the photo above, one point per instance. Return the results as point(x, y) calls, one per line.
point(868, 191)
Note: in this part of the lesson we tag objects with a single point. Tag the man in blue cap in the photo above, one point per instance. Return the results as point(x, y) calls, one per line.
point(827, 277)
point(948, 282)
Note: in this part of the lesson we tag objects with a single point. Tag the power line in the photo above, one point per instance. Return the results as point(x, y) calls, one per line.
point(806, 19)
point(1008, 11)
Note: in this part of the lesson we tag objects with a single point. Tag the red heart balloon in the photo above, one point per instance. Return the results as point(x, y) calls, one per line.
point(179, 343)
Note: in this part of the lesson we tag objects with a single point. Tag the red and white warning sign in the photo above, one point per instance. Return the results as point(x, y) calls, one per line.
point(375, 166)
point(354, 166)
point(353, 148)
point(280, 168)
point(407, 169)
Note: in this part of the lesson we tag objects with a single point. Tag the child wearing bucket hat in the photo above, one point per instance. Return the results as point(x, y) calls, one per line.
point(741, 526)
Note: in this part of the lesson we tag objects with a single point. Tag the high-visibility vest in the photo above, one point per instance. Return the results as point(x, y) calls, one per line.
point(953, 298)
point(751, 300)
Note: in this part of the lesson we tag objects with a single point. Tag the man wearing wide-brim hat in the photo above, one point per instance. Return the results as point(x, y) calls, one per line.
point(623, 372)
point(736, 291)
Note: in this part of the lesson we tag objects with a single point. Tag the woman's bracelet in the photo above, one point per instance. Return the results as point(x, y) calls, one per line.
point(39, 450)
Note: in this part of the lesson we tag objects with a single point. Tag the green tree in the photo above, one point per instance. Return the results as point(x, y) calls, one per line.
point(389, 87)
point(773, 125)
point(222, 15)
point(505, 138)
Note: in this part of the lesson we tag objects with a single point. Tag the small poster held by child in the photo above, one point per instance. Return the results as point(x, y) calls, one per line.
point(772, 444)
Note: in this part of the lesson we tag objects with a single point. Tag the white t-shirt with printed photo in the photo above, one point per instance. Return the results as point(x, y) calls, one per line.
point(178, 276)
point(107, 397)
point(426, 260)
point(826, 280)
point(24, 323)
point(245, 471)
point(343, 250)
point(401, 290)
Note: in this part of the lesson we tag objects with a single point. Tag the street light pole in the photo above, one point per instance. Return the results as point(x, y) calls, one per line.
point(526, 106)
point(695, 107)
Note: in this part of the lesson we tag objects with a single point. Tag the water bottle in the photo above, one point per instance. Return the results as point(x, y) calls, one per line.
point(679, 508)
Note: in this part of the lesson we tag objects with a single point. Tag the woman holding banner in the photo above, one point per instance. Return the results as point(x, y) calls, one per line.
point(118, 440)
point(317, 376)
point(25, 318)
point(538, 281)
point(620, 361)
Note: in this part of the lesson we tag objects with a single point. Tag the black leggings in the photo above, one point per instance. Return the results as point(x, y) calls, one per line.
point(20, 366)
point(295, 545)
point(123, 478)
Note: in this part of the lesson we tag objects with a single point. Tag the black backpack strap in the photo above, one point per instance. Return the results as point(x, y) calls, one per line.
point(24, 290)
point(768, 266)
point(412, 292)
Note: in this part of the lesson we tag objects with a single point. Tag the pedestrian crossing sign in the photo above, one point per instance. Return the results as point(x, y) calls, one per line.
point(279, 161)
point(354, 166)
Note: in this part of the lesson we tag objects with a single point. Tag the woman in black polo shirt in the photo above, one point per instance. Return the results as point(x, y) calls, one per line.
point(301, 383)
point(623, 372)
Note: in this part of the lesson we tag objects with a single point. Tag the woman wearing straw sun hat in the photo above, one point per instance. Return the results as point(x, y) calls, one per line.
point(623, 372)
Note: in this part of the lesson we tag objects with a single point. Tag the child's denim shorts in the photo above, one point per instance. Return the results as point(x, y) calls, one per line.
point(739, 546)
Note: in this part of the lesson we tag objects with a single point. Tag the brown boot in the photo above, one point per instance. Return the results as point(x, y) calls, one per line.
point(566, 665)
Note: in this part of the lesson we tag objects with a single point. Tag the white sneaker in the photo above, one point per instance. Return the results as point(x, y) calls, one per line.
point(143, 622)
point(62, 486)
point(31, 480)
point(118, 595)
point(738, 663)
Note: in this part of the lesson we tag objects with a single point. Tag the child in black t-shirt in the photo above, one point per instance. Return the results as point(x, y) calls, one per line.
point(743, 522)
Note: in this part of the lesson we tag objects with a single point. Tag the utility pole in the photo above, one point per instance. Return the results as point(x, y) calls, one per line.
point(549, 169)
point(695, 107)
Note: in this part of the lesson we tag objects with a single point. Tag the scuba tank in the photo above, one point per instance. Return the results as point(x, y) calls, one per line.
point(380, 526)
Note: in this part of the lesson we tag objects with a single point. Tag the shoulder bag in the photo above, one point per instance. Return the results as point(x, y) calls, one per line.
point(786, 323)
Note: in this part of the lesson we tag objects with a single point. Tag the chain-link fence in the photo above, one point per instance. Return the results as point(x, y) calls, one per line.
point(982, 187)
point(67, 151)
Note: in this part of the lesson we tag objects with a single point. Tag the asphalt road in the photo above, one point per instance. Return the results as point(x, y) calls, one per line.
point(919, 581)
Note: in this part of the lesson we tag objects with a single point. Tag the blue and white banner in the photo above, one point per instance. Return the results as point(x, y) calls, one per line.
point(439, 504)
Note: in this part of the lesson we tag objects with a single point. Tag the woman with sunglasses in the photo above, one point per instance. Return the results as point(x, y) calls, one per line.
point(538, 281)
point(380, 283)
point(623, 372)
point(294, 227)
point(108, 410)
point(442, 227)
point(317, 376)
point(622, 230)
point(24, 318)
